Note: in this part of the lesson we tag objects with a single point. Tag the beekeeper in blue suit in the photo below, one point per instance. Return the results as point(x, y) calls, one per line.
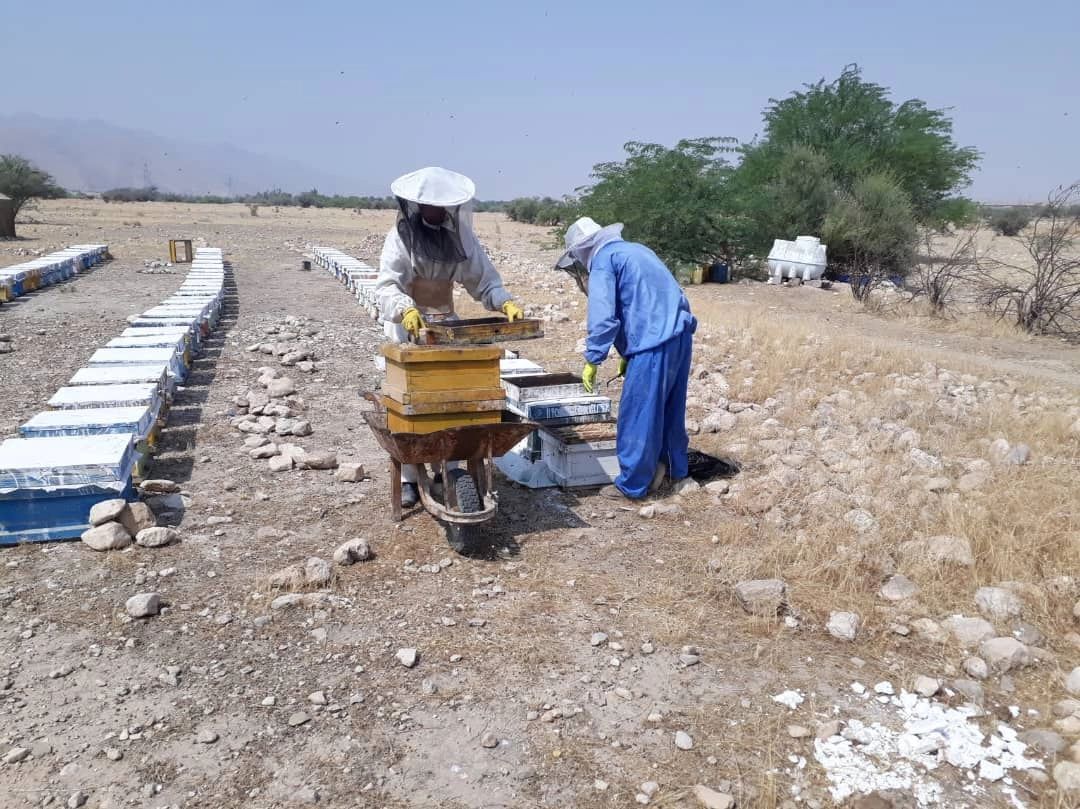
point(636, 304)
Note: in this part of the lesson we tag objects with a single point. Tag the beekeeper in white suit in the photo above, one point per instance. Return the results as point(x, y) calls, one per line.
point(431, 246)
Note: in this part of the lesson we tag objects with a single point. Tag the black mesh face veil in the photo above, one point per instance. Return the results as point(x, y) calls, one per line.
point(442, 243)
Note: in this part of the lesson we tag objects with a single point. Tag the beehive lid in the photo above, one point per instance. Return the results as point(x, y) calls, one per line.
point(406, 353)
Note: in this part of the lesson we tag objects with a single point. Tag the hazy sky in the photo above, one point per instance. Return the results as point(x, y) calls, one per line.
point(525, 98)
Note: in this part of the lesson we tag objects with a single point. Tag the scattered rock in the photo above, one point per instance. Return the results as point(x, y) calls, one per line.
point(926, 686)
point(898, 588)
point(317, 460)
point(143, 605)
point(975, 667)
point(280, 463)
point(77, 799)
point(407, 657)
point(598, 638)
point(720, 422)
point(1045, 741)
point(930, 630)
point(798, 731)
point(297, 719)
point(1003, 655)
point(970, 690)
point(711, 799)
point(683, 740)
point(1072, 682)
point(264, 452)
point(942, 549)
point(968, 632)
point(108, 537)
point(16, 754)
point(349, 473)
point(206, 737)
point(998, 604)
point(489, 740)
point(355, 550)
point(843, 625)
point(280, 388)
point(107, 511)
point(1067, 778)
point(1018, 455)
point(157, 537)
point(159, 486)
point(137, 517)
point(762, 597)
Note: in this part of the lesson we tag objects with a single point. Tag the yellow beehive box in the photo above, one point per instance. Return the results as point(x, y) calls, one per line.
point(412, 370)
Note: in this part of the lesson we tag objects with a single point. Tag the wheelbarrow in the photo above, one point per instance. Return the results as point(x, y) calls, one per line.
point(469, 497)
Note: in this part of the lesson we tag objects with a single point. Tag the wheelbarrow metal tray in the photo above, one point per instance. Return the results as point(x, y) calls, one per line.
point(542, 387)
point(453, 444)
point(480, 331)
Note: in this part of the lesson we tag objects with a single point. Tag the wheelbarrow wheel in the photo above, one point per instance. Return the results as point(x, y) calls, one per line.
point(464, 538)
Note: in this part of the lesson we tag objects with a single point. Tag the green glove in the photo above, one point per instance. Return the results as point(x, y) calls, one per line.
point(588, 377)
point(623, 363)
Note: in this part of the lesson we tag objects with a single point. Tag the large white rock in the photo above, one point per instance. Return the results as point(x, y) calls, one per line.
point(763, 597)
point(143, 605)
point(998, 604)
point(137, 516)
point(1003, 655)
point(157, 537)
point(843, 625)
point(1072, 682)
point(898, 588)
point(941, 549)
point(355, 550)
point(108, 537)
point(107, 511)
point(968, 632)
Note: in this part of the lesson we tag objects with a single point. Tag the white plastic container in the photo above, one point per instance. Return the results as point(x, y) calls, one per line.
point(588, 463)
point(803, 259)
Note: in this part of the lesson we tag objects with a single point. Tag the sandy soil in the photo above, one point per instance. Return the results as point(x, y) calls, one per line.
point(213, 703)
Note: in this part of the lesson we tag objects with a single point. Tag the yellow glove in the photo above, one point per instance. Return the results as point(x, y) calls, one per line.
point(588, 377)
point(623, 363)
point(411, 321)
point(512, 311)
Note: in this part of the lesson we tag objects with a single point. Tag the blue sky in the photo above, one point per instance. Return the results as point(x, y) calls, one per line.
point(525, 98)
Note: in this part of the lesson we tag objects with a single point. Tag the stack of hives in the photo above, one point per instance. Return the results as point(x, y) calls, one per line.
point(429, 388)
point(89, 446)
point(41, 272)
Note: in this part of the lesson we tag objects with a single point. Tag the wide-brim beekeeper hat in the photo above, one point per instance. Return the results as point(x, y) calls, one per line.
point(434, 186)
point(582, 240)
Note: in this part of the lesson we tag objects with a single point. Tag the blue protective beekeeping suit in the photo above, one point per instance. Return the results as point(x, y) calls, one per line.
point(637, 305)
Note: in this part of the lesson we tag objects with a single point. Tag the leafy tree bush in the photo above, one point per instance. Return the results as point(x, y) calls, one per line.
point(1010, 221)
point(538, 211)
point(872, 231)
point(23, 182)
point(859, 130)
point(671, 199)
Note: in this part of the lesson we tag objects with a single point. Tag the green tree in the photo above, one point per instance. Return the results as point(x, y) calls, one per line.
point(859, 131)
point(671, 199)
point(23, 181)
point(872, 231)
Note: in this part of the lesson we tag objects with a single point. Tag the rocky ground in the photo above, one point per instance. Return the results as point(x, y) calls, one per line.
point(880, 610)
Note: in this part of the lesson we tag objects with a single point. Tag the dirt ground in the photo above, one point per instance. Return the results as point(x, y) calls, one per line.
point(222, 701)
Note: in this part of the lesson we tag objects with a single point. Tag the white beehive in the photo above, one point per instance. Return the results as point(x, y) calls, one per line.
point(803, 258)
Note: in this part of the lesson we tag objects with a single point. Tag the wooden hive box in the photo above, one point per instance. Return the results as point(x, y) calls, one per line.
point(430, 388)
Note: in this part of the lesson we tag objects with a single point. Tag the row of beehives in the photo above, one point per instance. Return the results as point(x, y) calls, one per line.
point(19, 279)
point(91, 444)
point(359, 277)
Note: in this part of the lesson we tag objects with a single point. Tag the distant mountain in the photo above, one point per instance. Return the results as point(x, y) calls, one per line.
point(95, 156)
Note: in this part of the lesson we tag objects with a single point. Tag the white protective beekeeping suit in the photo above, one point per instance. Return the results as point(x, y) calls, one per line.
point(420, 262)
